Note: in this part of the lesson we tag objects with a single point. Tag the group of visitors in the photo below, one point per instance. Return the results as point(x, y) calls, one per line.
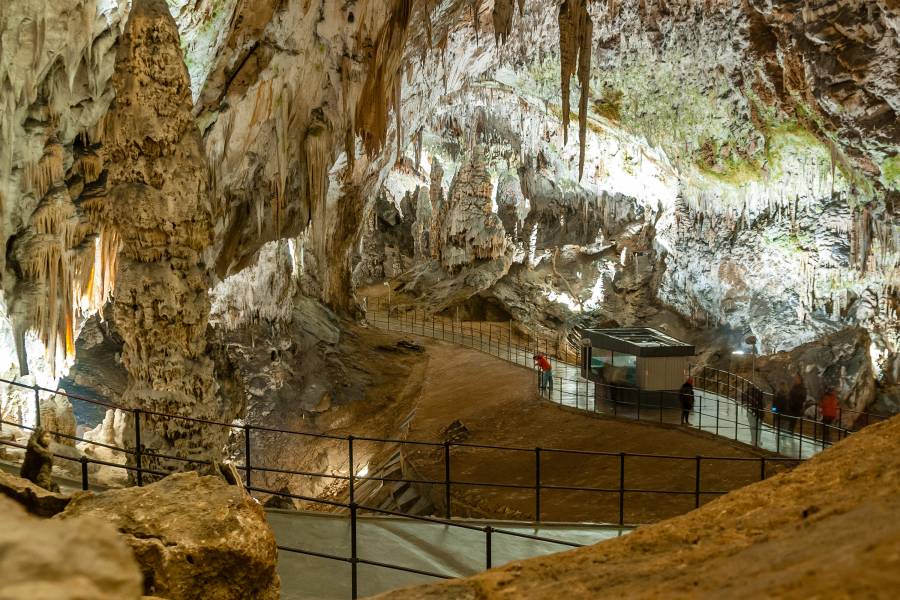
point(788, 404)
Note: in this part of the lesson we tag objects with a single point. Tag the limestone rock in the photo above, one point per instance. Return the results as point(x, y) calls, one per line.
point(34, 498)
point(78, 559)
point(841, 360)
point(160, 208)
point(58, 417)
point(470, 232)
point(194, 537)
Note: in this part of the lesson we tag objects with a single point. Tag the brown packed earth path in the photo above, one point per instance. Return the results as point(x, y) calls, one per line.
point(499, 405)
point(827, 529)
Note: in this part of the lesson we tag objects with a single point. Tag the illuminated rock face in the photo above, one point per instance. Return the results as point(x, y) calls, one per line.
point(159, 206)
point(739, 164)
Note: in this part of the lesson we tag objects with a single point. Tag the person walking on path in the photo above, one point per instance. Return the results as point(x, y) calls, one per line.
point(686, 398)
point(829, 407)
point(546, 372)
point(780, 407)
point(796, 400)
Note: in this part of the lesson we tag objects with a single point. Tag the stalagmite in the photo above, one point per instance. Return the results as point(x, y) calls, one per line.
point(575, 42)
point(159, 206)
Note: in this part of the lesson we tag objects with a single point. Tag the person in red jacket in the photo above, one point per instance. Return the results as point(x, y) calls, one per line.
point(829, 407)
point(546, 372)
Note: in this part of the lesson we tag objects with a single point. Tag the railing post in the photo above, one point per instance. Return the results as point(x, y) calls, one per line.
point(800, 451)
point(736, 408)
point(447, 500)
point(762, 468)
point(354, 554)
point(718, 398)
point(537, 485)
point(487, 547)
point(84, 473)
point(621, 488)
point(697, 482)
point(700, 410)
point(247, 466)
point(37, 406)
point(778, 433)
point(137, 447)
point(350, 461)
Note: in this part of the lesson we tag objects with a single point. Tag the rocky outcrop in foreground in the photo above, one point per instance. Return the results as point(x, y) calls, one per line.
point(829, 528)
point(32, 497)
point(194, 537)
point(77, 559)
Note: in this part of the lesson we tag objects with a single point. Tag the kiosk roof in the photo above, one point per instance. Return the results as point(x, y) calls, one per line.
point(638, 341)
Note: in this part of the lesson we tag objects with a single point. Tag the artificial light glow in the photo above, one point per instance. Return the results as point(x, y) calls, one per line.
point(363, 471)
point(738, 352)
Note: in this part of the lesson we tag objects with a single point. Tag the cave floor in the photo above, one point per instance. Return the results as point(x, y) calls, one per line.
point(499, 405)
point(430, 547)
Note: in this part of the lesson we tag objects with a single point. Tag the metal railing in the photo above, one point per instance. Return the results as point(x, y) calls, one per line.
point(741, 411)
point(539, 486)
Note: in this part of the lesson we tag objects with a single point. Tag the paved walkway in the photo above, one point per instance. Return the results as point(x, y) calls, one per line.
point(712, 413)
point(432, 547)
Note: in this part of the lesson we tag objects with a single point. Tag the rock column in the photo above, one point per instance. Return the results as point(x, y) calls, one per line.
point(159, 205)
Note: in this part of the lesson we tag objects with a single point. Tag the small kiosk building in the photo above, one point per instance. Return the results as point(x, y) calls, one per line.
point(635, 364)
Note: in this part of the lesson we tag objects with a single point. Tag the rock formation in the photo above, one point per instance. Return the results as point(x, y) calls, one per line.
point(736, 167)
point(470, 232)
point(34, 498)
point(64, 560)
point(193, 537)
point(159, 206)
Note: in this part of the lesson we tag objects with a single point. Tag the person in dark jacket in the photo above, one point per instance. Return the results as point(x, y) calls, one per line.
point(780, 407)
point(686, 398)
point(796, 400)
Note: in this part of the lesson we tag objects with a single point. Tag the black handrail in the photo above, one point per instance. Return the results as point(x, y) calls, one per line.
point(737, 389)
point(540, 343)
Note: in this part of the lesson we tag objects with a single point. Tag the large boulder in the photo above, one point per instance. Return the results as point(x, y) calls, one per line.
point(31, 496)
point(76, 559)
point(195, 538)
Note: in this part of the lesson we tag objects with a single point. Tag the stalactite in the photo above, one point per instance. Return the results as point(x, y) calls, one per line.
point(398, 88)
point(575, 42)
point(502, 16)
point(476, 9)
point(377, 97)
point(418, 148)
point(317, 148)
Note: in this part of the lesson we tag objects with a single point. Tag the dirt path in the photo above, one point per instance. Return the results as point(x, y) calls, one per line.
point(827, 529)
point(498, 404)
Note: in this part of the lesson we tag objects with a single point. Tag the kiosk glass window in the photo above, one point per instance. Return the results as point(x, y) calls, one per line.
point(599, 359)
point(623, 369)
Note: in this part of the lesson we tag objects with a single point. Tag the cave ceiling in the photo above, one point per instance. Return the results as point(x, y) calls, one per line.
point(758, 139)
